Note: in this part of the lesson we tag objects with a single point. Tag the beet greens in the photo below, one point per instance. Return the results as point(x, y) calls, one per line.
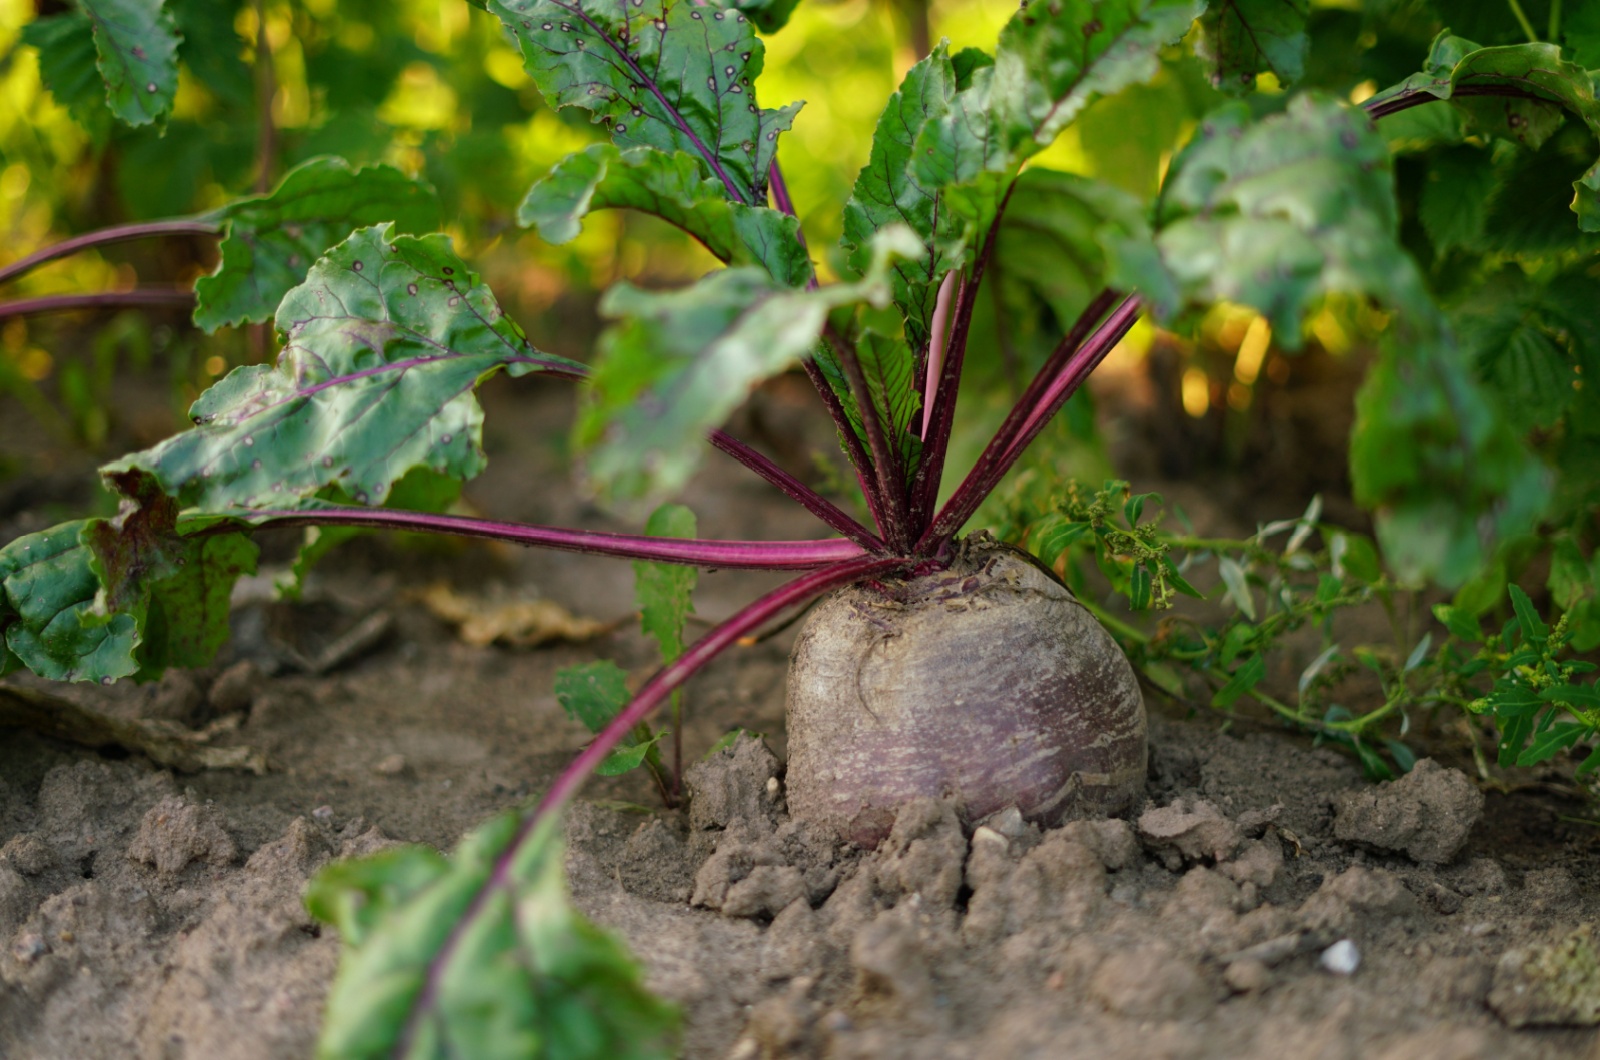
point(368, 417)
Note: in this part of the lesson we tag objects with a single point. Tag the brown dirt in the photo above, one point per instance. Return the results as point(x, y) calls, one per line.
point(146, 913)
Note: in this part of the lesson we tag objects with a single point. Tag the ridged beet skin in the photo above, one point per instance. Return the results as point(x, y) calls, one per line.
point(987, 681)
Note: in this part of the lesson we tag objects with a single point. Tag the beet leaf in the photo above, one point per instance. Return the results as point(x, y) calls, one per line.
point(386, 341)
point(678, 363)
point(271, 241)
point(668, 74)
point(137, 45)
point(1245, 38)
point(673, 187)
point(480, 955)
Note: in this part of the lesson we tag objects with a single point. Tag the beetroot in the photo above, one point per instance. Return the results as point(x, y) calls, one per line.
point(987, 681)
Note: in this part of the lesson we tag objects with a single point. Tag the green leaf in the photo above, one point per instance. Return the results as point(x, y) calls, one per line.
point(1053, 59)
point(102, 599)
point(1403, 756)
point(1555, 739)
point(1562, 87)
point(1585, 697)
point(386, 341)
point(1274, 214)
point(272, 240)
point(1233, 577)
point(888, 191)
point(1053, 535)
point(1140, 587)
point(1570, 577)
point(678, 363)
point(138, 48)
point(481, 955)
point(1455, 200)
point(1249, 674)
point(768, 15)
point(668, 74)
point(212, 48)
point(1529, 342)
point(1049, 244)
point(1353, 556)
point(1448, 476)
point(1534, 631)
point(1460, 622)
point(1581, 25)
point(592, 693)
point(889, 367)
point(665, 591)
point(68, 64)
point(675, 188)
point(1244, 38)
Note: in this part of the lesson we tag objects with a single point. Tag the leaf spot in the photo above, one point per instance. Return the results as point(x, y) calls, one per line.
point(448, 271)
point(327, 461)
point(621, 128)
point(447, 439)
point(106, 680)
point(545, 26)
point(358, 266)
point(151, 87)
point(566, 27)
point(411, 288)
point(695, 15)
point(249, 441)
point(255, 465)
point(728, 71)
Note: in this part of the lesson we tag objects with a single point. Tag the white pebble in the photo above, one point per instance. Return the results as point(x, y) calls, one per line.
point(1342, 958)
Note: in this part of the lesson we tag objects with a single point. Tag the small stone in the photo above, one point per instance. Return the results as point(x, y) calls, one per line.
point(28, 854)
point(29, 947)
point(323, 813)
point(175, 832)
point(1189, 831)
point(1247, 976)
point(390, 765)
point(1342, 958)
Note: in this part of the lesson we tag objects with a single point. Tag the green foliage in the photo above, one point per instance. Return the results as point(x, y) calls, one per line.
point(674, 188)
point(678, 363)
point(137, 45)
point(667, 74)
point(101, 599)
point(480, 955)
point(1104, 540)
point(1454, 64)
point(1244, 38)
point(272, 240)
point(594, 693)
point(67, 64)
point(665, 591)
point(1274, 214)
point(386, 340)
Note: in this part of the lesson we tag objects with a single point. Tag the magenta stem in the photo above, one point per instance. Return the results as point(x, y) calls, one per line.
point(62, 303)
point(798, 491)
point(741, 555)
point(655, 691)
point(1003, 451)
point(106, 237)
point(888, 474)
point(1416, 97)
point(936, 444)
point(784, 204)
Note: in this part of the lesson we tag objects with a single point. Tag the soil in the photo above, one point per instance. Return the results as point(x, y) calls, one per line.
point(1265, 901)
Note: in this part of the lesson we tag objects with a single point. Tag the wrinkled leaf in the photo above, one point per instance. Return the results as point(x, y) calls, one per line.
point(48, 610)
point(480, 955)
point(1454, 205)
point(1273, 214)
point(386, 341)
point(272, 240)
point(665, 591)
point(673, 187)
point(1244, 38)
point(668, 74)
point(138, 57)
point(677, 363)
point(1563, 87)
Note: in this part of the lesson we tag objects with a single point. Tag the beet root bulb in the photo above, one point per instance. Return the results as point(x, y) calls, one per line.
point(986, 681)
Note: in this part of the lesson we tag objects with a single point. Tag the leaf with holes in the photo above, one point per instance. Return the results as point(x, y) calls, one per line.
point(272, 240)
point(479, 955)
point(677, 363)
point(671, 186)
point(1242, 39)
point(386, 341)
point(137, 45)
point(669, 74)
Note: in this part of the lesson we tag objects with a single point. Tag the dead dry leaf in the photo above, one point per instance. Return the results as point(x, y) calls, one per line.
point(520, 623)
